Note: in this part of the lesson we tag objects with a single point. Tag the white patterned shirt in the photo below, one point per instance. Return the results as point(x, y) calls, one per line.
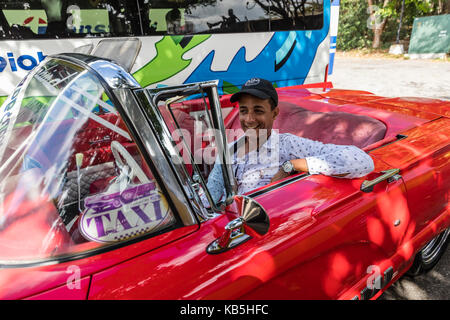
point(256, 168)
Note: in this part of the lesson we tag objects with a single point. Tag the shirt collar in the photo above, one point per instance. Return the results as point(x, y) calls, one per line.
point(271, 143)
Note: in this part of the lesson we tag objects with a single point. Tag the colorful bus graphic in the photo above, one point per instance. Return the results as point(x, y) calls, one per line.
point(182, 41)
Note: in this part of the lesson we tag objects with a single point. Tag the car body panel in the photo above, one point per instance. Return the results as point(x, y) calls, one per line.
point(421, 107)
point(331, 253)
point(327, 238)
point(74, 289)
point(19, 283)
point(306, 228)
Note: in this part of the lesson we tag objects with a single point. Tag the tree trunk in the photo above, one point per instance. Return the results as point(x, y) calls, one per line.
point(400, 23)
point(440, 7)
point(378, 30)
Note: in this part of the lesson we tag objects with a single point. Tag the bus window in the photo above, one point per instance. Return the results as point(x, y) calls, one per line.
point(300, 15)
point(113, 18)
point(200, 16)
point(68, 18)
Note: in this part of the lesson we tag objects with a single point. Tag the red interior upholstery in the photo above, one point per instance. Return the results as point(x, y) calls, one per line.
point(185, 121)
point(335, 127)
point(328, 127)
point(94, 141)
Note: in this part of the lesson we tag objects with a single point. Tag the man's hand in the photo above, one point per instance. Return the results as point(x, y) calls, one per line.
point(279, 175)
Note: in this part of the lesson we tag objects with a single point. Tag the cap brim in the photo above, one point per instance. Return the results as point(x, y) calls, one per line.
point(254, 92)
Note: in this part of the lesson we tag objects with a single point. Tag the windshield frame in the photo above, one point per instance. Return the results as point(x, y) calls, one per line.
point(119, 86)
point(210, 88)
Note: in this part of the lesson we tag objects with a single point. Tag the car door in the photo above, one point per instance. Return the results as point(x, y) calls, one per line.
point(339, 242)
point(353, 243)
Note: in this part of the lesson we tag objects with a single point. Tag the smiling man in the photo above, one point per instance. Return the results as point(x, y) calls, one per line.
point(263, 155)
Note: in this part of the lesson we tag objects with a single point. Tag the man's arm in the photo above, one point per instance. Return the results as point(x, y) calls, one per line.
point(300, 165)
point(328, 159)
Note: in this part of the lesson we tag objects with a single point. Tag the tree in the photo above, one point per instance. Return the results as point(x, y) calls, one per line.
point(381, 11)
point(378, 24)
point(353, 32)
point(284, 8)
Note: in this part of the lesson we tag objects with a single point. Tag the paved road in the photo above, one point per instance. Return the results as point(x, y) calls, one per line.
point(399, 77)
point(393, 77)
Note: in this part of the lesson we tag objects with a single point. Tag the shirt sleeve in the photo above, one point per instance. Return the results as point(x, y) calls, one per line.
point(215, 185)
point(330, 159)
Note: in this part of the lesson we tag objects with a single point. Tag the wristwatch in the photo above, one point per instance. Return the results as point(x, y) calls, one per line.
point(287, 167)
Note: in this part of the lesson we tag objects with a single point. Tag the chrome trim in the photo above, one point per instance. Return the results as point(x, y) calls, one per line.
point(174, 94)
point(278, 185)
point(397, 138)
point(180, 196)
point(433, 248)
point(229, 179)
point(252, 215)
point(197, 178)
point(172, 159)
point(113, 74)
point(390, 175)
point(167, 144)
point(232, 238)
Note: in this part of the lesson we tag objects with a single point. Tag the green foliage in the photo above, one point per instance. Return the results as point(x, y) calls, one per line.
point(413, 8)
point(353, 32)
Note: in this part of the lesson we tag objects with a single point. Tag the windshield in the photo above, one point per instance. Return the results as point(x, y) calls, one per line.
point(71, 176)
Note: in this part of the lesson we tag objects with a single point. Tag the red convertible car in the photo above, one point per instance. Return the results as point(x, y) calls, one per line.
point(101, 184)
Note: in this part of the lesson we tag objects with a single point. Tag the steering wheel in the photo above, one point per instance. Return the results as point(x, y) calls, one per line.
point(120, 152)
point(123, 159)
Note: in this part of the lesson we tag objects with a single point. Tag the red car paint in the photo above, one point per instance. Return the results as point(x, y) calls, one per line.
point(324, 232)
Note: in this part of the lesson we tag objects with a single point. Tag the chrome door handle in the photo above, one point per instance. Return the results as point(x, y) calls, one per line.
point(390, 175)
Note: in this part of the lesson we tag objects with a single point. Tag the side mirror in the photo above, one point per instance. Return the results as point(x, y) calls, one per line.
point(253, 217)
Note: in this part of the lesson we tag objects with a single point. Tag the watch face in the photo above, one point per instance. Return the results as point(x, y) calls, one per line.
point(287, 166)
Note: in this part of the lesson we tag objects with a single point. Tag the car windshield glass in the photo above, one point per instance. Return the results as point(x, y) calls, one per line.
point(71, 176)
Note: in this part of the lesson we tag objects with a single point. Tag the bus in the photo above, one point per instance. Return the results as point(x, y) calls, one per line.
point(289, 42)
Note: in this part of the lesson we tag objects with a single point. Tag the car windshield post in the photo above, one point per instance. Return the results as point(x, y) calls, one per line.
point(223, 150)
point(213, 115)
point(197, 178)
point(161, 137)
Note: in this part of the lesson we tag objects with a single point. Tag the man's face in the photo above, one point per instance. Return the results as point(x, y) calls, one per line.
point(256, 114)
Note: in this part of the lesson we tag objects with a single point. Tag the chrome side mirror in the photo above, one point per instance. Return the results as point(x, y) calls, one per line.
point(253, 217)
